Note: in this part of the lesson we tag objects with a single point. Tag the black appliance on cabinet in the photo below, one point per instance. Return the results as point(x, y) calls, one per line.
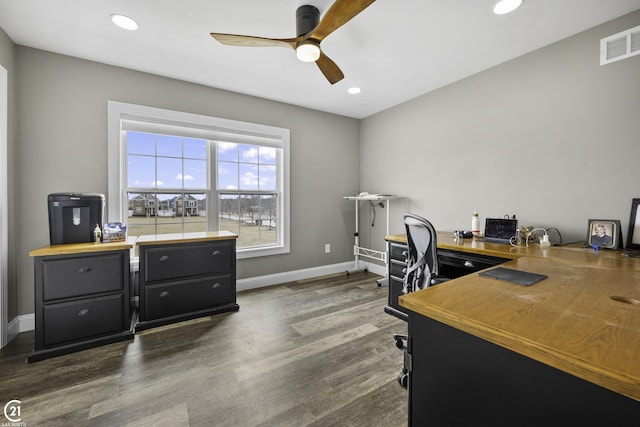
point(73, 216)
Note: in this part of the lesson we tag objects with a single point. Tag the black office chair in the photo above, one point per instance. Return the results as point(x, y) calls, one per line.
point(422, 268)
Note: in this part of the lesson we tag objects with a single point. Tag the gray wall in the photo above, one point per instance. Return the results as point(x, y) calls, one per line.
point(552, 137)
point(7, 54)
point(62, 146)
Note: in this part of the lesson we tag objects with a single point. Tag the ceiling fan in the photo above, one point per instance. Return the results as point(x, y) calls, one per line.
point(311, 31)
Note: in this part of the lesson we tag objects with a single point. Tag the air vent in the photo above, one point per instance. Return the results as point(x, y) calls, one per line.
point(620, 46)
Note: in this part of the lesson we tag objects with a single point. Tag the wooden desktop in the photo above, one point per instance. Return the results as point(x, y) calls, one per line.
point(489, 352)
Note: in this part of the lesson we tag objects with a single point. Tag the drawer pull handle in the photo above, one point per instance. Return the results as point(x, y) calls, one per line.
point(216, 285)
point(216, 253)
point(164, 258)
point(405, 253)
point(84, 269)
point(84, 312)
point(404, 270)
point(469, 264)
point(164, 294)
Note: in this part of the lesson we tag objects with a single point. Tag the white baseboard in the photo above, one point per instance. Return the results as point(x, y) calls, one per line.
point(26, 322)
point(307, 273)
point(22, 323)
point(375, 268)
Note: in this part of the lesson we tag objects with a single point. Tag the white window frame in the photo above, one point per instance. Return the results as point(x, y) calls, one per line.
point(198, 126)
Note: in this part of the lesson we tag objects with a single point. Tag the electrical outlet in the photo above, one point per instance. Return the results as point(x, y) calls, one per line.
point(327, 248)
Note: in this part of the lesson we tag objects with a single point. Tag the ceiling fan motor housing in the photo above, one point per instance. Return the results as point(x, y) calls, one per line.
point(307, 18)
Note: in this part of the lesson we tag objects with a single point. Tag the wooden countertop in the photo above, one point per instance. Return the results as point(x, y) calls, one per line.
point(478, 246)
point(584, 319)
point(74, 248)
point(184, 237)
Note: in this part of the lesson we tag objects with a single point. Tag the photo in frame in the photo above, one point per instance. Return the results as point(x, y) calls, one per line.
point(633, 238)
point(604, 234)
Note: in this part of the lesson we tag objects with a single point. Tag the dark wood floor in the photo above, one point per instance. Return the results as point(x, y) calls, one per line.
point(310, 353)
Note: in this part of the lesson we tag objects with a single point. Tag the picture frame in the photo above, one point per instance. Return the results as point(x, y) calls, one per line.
point(604, 234)
point(633, 237)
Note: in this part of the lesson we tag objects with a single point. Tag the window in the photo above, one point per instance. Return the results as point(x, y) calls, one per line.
point(173, 172)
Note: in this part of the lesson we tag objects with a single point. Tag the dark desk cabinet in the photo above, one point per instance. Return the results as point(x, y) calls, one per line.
point(181, 280)
point(82, 299)
point(457, 379)
point(398, 255)
point(454, 264)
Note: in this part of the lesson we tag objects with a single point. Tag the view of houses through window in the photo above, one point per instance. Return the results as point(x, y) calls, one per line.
point(178, 185)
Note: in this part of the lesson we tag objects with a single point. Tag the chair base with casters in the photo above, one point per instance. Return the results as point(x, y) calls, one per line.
point(422, 271)
point(403, 376)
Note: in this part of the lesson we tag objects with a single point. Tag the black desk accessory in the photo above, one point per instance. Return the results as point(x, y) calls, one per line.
point(514, 276)
point(500, 230)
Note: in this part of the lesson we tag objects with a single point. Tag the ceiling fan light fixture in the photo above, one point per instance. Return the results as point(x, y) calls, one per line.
point(124, 22)
point(308, 51)
point(506, 6)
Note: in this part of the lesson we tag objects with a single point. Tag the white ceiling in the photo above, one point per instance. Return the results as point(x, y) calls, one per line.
point(394, 50)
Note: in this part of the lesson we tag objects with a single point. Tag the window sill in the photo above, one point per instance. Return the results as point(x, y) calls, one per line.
point(260, 252)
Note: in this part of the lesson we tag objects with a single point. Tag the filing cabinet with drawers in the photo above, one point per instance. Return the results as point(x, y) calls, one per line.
point(184, 278)
point(82, 297)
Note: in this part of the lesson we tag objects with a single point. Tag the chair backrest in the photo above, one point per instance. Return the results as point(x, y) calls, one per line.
point(422, 263)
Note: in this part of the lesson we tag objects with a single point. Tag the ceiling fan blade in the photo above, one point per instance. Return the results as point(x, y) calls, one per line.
point(251, 41)
point(338, 14)
point(329, 68)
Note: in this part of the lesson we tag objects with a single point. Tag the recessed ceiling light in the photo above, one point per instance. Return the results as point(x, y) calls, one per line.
point(354, 90)
point(124, 22)
point(506, 6)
